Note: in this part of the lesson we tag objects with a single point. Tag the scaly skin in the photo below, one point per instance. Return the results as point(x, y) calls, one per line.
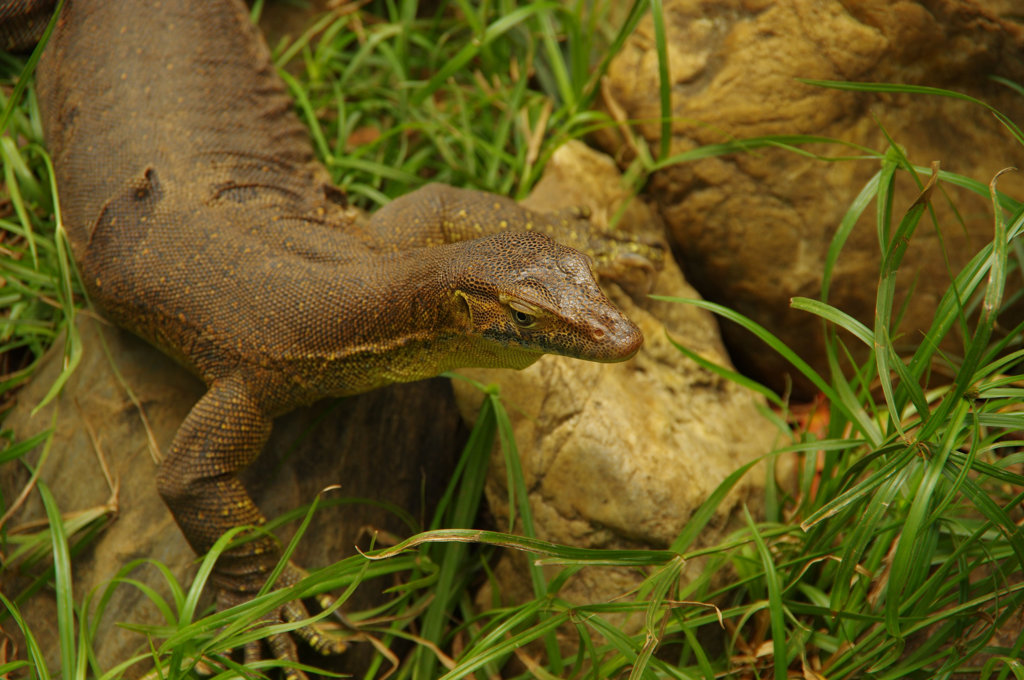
point(201, 221)
point(22, 22)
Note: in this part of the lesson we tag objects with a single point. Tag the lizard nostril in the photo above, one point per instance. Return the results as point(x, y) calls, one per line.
point(598, 333)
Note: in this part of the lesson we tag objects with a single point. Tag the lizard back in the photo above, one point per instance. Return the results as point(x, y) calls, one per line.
point(187, 183)
point(202, 222)
point(186, 87)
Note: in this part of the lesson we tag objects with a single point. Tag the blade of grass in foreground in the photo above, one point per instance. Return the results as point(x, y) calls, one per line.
point(995, 262)
point(727, 373)
point(65, 295)
point(518, 496)
point(469, 477)
point(776, 611)
point(35, 655)
point(918, 89)
point(62, 585)
point(853, 412)
point(894, 249)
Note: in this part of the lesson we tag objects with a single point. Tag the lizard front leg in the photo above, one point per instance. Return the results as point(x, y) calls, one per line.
point(223, 433)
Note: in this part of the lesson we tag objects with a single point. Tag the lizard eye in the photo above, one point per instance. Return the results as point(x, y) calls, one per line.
point(522, 316)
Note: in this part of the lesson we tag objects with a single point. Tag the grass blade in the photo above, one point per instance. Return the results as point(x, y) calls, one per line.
point(62, 580)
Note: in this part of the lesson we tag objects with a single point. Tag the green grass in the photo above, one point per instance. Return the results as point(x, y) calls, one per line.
point(899, 554)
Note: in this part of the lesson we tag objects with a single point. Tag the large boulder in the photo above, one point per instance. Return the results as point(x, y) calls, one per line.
point(752, 229)
point(620, 456)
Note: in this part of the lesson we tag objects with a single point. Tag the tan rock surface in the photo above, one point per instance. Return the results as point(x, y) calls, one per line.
point(753, 229)
point(620, 455)
point(391, 445)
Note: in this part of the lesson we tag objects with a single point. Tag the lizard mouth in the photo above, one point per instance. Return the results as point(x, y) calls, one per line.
point(613, 341)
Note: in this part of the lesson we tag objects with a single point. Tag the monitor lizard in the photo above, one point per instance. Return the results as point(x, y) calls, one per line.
point(201, 221)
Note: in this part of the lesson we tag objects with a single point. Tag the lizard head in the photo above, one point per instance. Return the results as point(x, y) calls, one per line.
point(524, 294)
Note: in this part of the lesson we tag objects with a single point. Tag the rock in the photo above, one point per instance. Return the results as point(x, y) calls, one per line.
point(620, 455)
point(396, 445)
point(753, 229)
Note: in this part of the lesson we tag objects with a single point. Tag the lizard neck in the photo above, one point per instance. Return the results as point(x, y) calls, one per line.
point(429, 317)
point(411, 323)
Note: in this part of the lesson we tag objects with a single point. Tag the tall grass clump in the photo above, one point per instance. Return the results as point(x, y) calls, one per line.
point(471, 94)
point(900, 555)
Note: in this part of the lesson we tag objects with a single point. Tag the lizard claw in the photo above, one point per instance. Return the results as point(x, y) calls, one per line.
point(322, 637)
point(579, 212)
point(634, 272)
point(628, 261)
point(326, 638)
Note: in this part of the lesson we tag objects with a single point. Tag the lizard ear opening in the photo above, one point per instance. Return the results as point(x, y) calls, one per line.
point(463, 309)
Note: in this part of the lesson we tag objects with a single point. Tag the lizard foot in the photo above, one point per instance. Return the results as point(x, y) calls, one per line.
point(628, 261)
point(324, 637)
point(578, 212)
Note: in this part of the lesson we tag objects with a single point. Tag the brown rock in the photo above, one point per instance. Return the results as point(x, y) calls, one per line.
point(391, 445)
point(620, 455)
point(753, 229)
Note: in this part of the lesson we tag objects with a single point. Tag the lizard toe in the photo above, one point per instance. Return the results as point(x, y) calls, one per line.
point(325, 638)
point(579, 212)
point(282, 646)
point(327, 601)
point(251, 653)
